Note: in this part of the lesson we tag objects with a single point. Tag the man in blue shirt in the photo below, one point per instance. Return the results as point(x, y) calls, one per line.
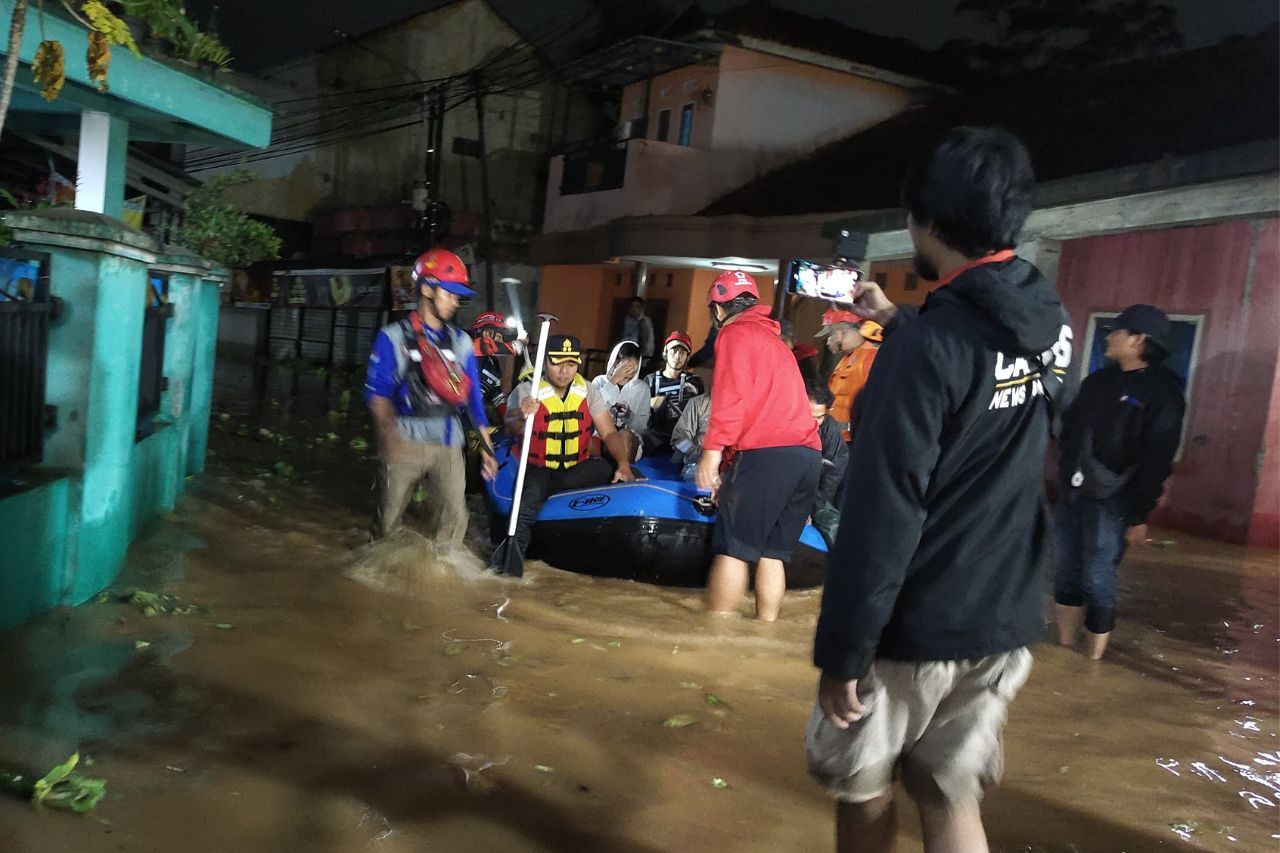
point(422, 386)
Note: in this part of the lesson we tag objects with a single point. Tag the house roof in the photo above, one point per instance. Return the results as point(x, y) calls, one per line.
point(760, 19)
point(1137, 113)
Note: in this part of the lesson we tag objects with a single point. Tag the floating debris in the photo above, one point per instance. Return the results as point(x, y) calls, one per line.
point(284, 469)
point(542, 768)
point(714, 700)
point(679, 721)
point(139, 645)
point(718, 783)
point(149, 603)
point(60, 788)
point(358, 444)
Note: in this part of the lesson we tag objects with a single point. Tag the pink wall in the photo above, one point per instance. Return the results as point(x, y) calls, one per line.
point(1265, 528)
point(1227, 272)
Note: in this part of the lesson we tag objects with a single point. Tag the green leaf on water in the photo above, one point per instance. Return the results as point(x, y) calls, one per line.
point(598, 647)
point(717, 782)
point(139, 645)
point(284, 469)
point(542, 768)
point(713, 699)
point(62, 788)
point(509, 660)
point(358, 444)
point(420, 494)
point(224, 626)
point(679, 721)
point(691, 685)
point(614, 644)
point(453, 649)
point(576, 640)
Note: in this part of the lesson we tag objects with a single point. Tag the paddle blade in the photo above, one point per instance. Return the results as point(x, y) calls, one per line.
point(507, 560)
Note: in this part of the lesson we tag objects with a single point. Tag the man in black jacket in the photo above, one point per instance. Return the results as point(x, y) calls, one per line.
point(934, 584)
point(835, 459)
point(1118, 442)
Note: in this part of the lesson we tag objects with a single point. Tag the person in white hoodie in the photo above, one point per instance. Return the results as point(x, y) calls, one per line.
point(627, 394)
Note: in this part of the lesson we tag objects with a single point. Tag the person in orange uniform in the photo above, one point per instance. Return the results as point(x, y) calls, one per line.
point(856, 341)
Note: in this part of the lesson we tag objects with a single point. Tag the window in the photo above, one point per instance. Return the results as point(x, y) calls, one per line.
point(1184, 338)
point(912, 282)
point(664, 125)
point(686, 125)
point(882, 279)
point(151, 381)
point(25, 313)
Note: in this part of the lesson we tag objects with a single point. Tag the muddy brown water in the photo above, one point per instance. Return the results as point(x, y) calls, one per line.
point(333, 696)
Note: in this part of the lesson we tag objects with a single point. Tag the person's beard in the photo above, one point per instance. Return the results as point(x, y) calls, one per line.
point(924, 267)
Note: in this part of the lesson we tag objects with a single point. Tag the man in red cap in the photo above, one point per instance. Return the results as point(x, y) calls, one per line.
point(669, 390)
point(421, 383)
point(491, 340)
point(759, 408)
point(856, 341)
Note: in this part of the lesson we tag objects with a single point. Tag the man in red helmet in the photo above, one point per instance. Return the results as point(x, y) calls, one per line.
point(491, 338)
point(760, 409)
point(669, 390)
point(421, 382)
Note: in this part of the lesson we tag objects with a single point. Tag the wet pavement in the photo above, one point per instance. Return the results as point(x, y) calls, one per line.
point(328, 695)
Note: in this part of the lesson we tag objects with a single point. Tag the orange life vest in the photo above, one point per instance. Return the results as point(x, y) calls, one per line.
point(562, 427)
point(848, 380)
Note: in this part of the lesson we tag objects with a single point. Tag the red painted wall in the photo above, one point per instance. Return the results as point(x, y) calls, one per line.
point(1229, 273)
point(1265, 528)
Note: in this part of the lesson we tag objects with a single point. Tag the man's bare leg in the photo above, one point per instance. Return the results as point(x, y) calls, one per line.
point(1095, 645)
point(1070, 620)
point(868, 827)
point(949, 828)
point(726, 585)
point(771, 584)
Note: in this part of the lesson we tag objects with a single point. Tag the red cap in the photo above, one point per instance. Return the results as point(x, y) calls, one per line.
point(834, 316)
point(801, 351)
point(489, 318)
point(678, 337)
point(730, 284)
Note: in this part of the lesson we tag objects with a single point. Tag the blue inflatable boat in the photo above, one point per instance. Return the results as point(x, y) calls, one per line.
point(655, 530)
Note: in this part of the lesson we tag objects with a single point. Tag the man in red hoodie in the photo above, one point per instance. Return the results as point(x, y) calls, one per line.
point(760, 409)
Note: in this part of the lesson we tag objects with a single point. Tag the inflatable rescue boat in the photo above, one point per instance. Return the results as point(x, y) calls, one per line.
point(656, 530)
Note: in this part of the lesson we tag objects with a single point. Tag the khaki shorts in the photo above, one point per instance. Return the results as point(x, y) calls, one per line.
point(939, 723)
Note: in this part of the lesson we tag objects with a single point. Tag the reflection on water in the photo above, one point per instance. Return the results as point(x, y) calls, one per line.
point(340, 696)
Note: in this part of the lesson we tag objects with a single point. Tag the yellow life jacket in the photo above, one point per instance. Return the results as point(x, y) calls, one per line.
point(562, 427)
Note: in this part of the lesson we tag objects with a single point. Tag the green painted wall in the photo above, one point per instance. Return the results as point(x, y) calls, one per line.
point(67, 540)
point(33, 559)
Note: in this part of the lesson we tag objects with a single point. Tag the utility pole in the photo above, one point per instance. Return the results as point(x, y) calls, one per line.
point(487, 236)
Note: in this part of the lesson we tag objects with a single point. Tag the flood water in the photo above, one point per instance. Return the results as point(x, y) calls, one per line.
point(334, 696)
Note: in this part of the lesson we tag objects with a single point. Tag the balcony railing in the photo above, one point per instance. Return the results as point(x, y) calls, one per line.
point(602, 169)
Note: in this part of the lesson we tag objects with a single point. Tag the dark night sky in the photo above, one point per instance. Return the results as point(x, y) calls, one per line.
point(265, 33)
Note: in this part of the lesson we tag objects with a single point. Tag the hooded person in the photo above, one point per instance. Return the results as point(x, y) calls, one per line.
point(759, 409)
point(935, 584)
point(627, 396)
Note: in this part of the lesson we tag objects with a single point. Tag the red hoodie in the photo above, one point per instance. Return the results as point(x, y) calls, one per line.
point(757, 396)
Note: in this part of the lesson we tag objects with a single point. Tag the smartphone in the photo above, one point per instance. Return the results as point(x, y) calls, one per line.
point(822, 281)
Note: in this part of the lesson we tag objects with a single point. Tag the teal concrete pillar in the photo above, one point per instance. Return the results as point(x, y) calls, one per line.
point(207, 300)
point(100, 166)
point(98, 267)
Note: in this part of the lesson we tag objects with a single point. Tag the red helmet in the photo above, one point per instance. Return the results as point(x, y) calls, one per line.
point(730, 284)
point(678, 338)
point(489, 319)
point(442, 268)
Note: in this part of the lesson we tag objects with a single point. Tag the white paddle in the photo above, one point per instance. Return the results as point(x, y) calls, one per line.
point(507, 558)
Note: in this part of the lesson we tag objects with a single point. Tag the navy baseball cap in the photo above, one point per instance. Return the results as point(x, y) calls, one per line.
point(1147, 319)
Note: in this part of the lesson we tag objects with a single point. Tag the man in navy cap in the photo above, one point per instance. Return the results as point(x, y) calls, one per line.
point(1118, 441)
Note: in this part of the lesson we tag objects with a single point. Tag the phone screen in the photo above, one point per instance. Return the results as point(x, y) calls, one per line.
point(822, 281)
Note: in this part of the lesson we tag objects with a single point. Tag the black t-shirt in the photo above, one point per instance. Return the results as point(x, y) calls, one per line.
point(678, 392)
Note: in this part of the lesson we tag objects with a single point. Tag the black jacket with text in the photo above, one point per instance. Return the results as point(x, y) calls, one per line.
point(941, 545)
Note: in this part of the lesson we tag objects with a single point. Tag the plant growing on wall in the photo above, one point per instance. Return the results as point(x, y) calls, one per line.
point(168, 21)
point(214, 229)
